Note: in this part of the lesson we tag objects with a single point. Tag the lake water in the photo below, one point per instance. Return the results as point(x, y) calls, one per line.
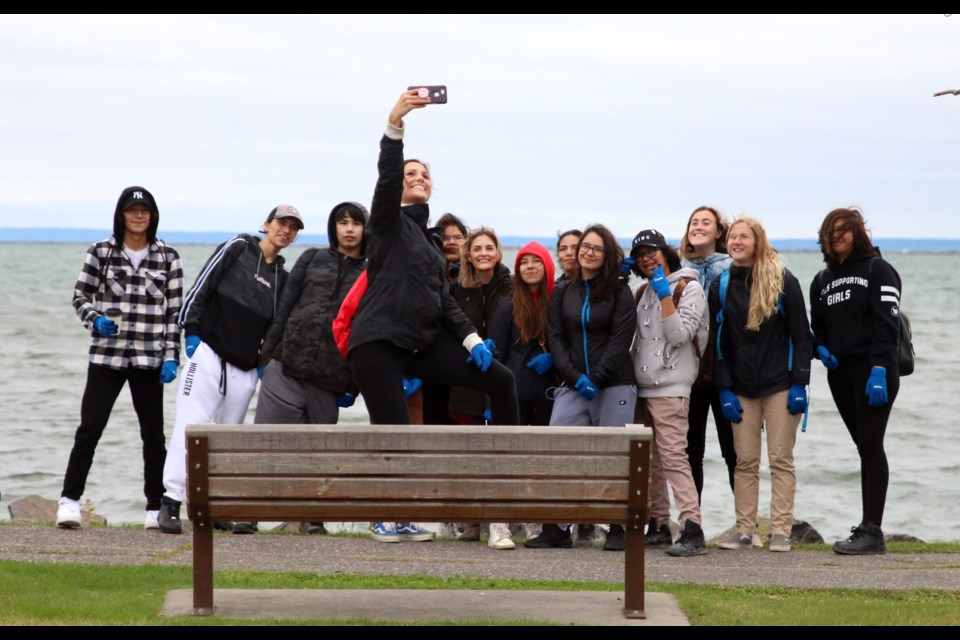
point(43, 368)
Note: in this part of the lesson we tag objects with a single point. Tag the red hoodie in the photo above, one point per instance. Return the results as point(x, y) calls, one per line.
point(536, 249)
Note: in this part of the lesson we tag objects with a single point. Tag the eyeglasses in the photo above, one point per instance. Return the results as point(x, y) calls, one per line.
point(456, 238)
point(596, 250)
point(648, 253)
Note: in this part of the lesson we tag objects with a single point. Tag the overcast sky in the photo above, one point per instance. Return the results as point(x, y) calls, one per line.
point(552, 122)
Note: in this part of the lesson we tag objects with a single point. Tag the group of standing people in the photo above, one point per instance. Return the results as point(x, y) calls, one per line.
point(428, 324)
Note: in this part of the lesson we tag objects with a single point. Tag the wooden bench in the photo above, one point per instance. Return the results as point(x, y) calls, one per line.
point(364, 473)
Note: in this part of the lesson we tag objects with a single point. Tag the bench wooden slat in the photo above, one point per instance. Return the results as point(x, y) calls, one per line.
point(402, 511)
point(426, 488)
point(307, 463)
point(417, 438)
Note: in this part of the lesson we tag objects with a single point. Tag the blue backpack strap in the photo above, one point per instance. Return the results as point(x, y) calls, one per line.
point(789, 340)
point(724, 281)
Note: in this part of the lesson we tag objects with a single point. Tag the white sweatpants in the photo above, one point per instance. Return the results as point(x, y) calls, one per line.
point(199, 400)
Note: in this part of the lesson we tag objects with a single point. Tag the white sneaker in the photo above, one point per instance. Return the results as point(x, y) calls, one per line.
point(152, 520)
point(68, 513)
point(500, 537)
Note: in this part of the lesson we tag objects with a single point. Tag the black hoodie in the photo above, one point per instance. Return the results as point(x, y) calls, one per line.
point(128, 197)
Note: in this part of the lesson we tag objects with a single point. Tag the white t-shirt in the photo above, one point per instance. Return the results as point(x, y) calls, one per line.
point(136, 257)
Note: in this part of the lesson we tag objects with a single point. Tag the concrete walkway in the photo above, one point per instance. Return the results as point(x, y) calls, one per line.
point(352, 555)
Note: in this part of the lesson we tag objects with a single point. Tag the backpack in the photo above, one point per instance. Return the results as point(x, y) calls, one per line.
point(724, 281)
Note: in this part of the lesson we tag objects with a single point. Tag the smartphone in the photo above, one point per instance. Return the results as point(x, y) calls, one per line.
point(436, 92)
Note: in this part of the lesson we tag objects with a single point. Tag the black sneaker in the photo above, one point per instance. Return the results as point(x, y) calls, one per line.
point(552, 537)
point(657, 536)
point(315, 528)
point(691, 542)
point(865, 539)
point(615, 539)
point(222, 525)
point(168, 518)
point(244, 527)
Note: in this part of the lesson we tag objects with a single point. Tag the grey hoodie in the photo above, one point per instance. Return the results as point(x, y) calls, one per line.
point(665, 359)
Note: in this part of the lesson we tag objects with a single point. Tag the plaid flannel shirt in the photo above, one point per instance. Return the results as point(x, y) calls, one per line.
point(149, 297)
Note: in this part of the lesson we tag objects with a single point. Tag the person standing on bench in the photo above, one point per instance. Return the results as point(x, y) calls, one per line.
point(224, 317)
point(407, 324)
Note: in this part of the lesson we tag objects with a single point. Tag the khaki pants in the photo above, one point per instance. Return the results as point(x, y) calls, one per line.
point(670, 465)
point(781, 427)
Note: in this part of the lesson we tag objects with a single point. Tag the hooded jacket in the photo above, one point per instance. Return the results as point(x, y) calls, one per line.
point(755, 363)
point(665, 359)
point(233, 300)
point(407, 301)
point(149, 296)
point(300, 337)
point(505, 333)
point(592, 337)
point(708, 267)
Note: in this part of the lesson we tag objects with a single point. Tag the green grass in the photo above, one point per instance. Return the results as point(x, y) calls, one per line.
point(71, 594)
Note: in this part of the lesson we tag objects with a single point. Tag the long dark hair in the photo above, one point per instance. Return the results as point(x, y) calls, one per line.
point(606, 283)
point(862, 244)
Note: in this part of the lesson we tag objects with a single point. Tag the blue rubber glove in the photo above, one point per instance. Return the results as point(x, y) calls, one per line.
point(828, 359)
point(659, 283)
point(585, 387)
point(730, 405)
point(876, 390)
point(190, 344)
point(488, 343)
point(541, 363)
point(105, 327)
point(346, 400)
point(481, 356)
point(797, 399)
point(168, 372)
point(487, 416)
point(411, 386)
point(260, 371)
point(627, 266)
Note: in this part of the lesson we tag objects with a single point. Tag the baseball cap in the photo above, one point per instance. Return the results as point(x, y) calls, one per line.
point(285, 211)
point(649, 238)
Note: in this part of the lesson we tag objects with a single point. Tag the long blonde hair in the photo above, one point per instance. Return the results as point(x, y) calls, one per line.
point(766, 276)
point(468, 273)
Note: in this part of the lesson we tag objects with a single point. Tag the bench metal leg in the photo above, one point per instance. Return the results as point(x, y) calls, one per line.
point(203, 568)
point(633, 572)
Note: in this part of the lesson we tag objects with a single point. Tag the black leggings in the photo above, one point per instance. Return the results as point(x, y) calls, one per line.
point(100, 394)
point(379, 368)
point(867, 426)
point(701, 401)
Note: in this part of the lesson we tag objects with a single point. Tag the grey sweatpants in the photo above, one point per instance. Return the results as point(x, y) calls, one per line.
point(287, 400)
point(611, 407)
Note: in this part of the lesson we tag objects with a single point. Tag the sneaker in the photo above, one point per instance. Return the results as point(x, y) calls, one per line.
point(779, 542)
point(690, 543)
point(222, 525)
point(615, 539)
point(315, 528)
point(385, 532)
point(500, 537)
point(168, 518)
point(756, 540)
point(410, 532)
point(245, 528)
point(532, 529)
point(470, 533)
point(551, 537)
point(865, 539)
point(68, 513)
point(151, 520)
point(735, 540)
point(657, 536)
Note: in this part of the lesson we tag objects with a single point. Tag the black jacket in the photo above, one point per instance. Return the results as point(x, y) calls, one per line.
point(754, 363)
point(407, 301)
point(855, 311)
point(479, 305)
point(609, 331)
point(233, 300)
point(505, 333)
point(300, 336)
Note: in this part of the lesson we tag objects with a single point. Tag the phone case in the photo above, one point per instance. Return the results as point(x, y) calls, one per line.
point(437, 92)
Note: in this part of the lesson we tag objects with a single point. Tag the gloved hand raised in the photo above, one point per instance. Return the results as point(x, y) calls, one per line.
point(627, 266)
point(659, 283)
point(876, 390)
point(105, 327)
point(190, 344)
point(481, 356)
point(541, 363)
point(346, 400)
point(730, 405)
point(796, 399)
point(168, 372)
point(411, 386)
point(585, 387)
point(828, 359)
